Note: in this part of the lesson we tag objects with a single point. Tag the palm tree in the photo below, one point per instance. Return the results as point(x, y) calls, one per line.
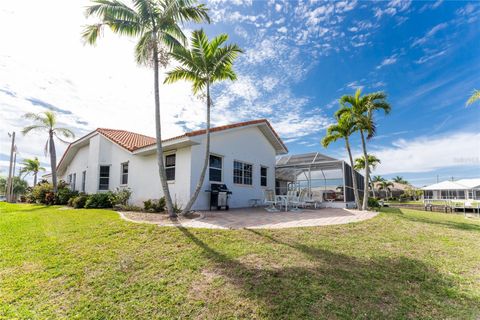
point(156, 24)
point(362, 109)
point(343, 129)
point(47, 121)
point(204, 64)
point(373, 161)
point(376, 179)
point(399, 179)
point(475, 96)
point(385, 185)
point(32, 166)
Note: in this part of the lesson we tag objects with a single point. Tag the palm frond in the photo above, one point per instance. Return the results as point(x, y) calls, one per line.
point(111, 8)
point(46, 148)
point(474, 97)
point(144, 49)
point(200, 45)
point(32, 116)
point(67, 133)
point(91, 33)
point(197, 14)
point(34, 127)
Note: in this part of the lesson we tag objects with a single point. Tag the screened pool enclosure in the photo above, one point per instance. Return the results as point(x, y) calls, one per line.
point(326, 179)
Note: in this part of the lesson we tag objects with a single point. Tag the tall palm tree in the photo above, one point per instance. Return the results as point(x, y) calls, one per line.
point(386, 185)
point(47, 121)
point(157, 26)
point(32, 166)
point(475, 97)
point(204, 64)
point(343, 129)
point(362, 108)
point(373, 161)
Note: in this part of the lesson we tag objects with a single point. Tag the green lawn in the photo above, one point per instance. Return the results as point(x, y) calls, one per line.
point(89, 264)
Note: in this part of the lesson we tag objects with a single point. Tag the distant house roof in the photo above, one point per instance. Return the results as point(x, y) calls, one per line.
point(132, 141)
point(455, 185)
point(470, 183)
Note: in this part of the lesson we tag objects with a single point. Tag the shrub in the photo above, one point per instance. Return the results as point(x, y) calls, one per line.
point(128, 207)
point(79, 201)
point(64, 195)
point(373, 203)
point(49, 198)
point(98, 200)
point(154, 205)
point(70, 201)
point(40, 191)
point(120, 196)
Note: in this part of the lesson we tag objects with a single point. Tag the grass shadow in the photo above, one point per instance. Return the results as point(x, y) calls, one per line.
point(334, 285)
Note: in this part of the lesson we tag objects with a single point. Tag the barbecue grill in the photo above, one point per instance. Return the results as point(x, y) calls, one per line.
point(219, 196)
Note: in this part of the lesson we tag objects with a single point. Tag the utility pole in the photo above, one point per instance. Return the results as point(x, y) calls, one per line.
point(13, 199)
point(9, 180)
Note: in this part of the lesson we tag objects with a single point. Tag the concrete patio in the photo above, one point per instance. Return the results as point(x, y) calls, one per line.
point(259, 218)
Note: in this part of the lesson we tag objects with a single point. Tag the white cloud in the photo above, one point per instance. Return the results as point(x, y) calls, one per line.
point(429, 34)
point(282, 30)
point(278, 7)
point(428, 153)
point(355, 85)
point(392, 8)
point(388, 61)
point(429, 57)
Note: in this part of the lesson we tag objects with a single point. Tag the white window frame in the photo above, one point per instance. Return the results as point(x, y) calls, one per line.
point(221, 168)
point(74, 181)
point(174, 166)
point(266, 176)
point(243, 173)
point(84, 178)
point(109, 176)
point(122, 174)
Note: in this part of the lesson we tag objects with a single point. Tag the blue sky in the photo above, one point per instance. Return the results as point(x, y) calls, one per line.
point(300, 57)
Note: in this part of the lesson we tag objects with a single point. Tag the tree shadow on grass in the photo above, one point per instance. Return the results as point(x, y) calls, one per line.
point(29, 208)
point(445, 223)
point(325, 284)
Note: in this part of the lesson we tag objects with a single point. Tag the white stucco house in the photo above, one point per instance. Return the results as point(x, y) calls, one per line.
point(242, 156)
point(464, 189)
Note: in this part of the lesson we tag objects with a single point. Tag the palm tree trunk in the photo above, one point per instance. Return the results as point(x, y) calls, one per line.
point(354, 176)
point(158, 132)
point(35, 178)
point(53, 161)
point(206, 160)
point(367, 172)
point(373, 188)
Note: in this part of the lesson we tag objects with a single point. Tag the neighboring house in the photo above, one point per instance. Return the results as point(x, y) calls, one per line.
point(468, 189)
point(242, 156)
point(394, 191)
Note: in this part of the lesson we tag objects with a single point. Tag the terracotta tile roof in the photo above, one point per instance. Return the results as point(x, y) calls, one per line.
point(230, 126)
point(129, 140)
point(133, 141)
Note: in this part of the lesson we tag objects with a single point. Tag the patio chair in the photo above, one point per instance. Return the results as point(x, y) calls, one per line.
point(306, 200)
point(293, 200)
point(270, 200)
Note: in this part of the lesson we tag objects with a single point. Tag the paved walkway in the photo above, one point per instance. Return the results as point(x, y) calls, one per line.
point(259, 218)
